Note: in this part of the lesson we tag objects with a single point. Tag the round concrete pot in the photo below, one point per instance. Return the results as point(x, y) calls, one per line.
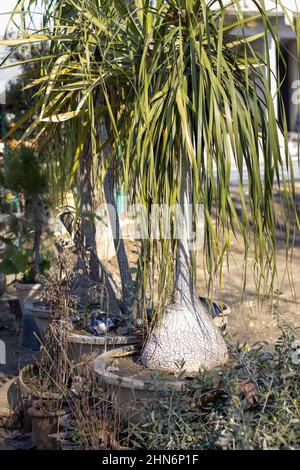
point(41, 315)
point(129, 394)
point(27, 293)
point(81, 346)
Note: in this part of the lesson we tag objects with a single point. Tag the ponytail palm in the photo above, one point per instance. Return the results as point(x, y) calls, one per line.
point(182, 100)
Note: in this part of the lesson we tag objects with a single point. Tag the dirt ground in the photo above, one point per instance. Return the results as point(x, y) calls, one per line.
point(258, 318)
point(253, 318)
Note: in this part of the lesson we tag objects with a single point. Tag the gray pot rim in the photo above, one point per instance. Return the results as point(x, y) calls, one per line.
point(23, 286)
point(37, 311)
point(35, 412)
point(112, 378)
point(101, 340)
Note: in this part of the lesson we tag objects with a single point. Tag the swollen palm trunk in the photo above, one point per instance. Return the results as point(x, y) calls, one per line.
point(186, 337)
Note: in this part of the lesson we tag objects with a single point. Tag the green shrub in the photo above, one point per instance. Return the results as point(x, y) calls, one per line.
point(257, 405)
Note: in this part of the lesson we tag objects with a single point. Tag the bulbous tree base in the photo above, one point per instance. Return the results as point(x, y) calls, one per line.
point(185, 339)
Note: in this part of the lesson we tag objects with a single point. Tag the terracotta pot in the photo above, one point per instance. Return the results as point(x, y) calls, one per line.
point(43, 424)
point(27, 293)
point(81, 346)
point(28, 395)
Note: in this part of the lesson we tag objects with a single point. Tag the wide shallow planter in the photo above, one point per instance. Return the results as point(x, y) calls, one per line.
point(84, 346)
point(43, 424)
point(130, 392)
point(41, 315)
point(63, 441)
point(28, 293)
point(28, 395)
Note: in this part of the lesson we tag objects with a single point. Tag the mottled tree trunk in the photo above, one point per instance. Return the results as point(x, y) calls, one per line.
point(38, 217)
point(125, 275)
point(186, 336)
point(126, 280)
point(97, 270)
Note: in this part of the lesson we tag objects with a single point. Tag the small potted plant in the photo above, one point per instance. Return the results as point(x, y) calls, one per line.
point(16, 260)
point(44, 385)
point(92, 328)
point(25, 174)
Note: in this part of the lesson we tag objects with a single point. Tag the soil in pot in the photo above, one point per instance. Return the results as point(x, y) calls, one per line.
point(135, 389)
point(84, 345)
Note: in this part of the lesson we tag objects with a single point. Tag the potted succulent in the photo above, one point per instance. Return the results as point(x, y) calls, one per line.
point(25, 174)
point(44, 385)
point(134, 388)
point(93, 328)
point(16, 260)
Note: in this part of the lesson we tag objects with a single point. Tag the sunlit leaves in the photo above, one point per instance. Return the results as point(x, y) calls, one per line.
point(174, 79)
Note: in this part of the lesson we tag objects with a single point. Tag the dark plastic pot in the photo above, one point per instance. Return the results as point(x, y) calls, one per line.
point(30, 336)
point(28, 293)
point(40, 314)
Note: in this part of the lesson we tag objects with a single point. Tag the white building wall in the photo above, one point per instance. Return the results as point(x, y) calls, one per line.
point(294, 76)
point(272, 5)
point(290, 5)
